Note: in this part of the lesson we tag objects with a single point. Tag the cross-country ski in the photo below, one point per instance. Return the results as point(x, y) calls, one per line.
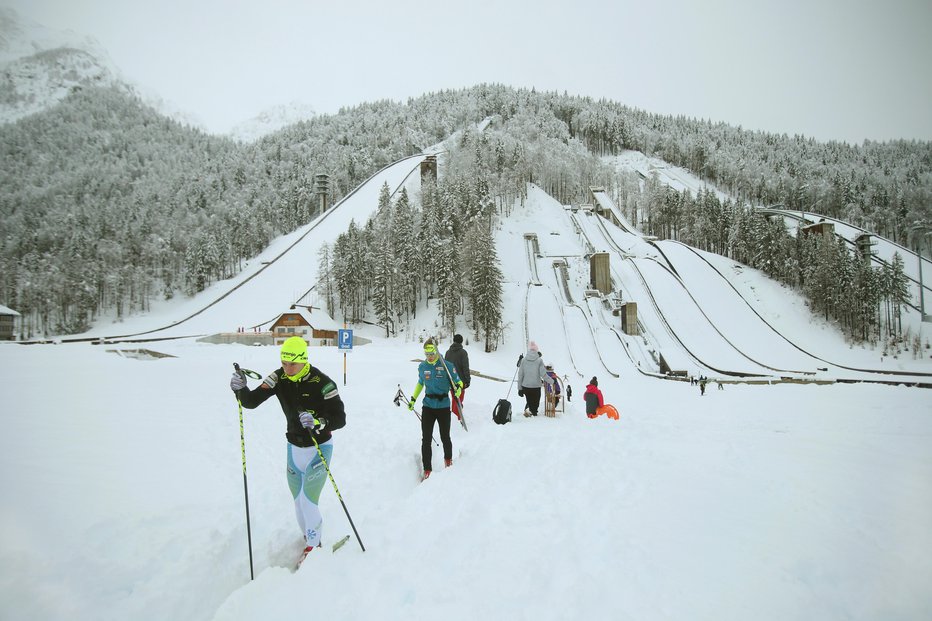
point(308, 551)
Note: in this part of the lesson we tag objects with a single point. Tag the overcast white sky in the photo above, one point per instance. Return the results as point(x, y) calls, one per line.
point(832, 69)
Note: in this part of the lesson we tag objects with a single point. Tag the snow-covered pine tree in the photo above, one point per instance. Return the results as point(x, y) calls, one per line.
point(383, 293)
point(485, 290)
point(898, 292)
point(449, 288)
point(405, 251)
point(326, 288)
point(384, 212)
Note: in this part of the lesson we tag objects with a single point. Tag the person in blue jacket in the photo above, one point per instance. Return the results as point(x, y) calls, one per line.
point(432, 374)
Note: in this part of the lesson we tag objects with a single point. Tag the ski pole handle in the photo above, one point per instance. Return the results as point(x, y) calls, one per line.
point(246, 372)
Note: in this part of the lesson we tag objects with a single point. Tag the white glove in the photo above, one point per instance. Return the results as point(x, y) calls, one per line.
point(237, 382)
point(310, 423)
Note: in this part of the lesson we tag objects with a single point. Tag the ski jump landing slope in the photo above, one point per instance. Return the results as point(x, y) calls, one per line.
point(686, 306)
point(278, 277)
point(882, 250)
point(731, 314)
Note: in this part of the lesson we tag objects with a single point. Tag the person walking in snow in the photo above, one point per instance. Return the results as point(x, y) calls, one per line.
point(593, 397)
point(531, 377)
point(459, 358)
point(313, 410)
point(554, 387)
point(552, 392)
point(432, 375)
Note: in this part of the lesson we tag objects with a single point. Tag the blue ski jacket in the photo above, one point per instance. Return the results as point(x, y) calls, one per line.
point(436, 383)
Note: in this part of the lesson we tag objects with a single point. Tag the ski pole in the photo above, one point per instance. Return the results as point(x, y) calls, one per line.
point(337, 490)
point(242, 445)
point(400, 396)
point(512, 383)
point(453, 388)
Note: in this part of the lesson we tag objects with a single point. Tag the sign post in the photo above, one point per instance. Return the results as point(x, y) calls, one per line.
point(345, 343)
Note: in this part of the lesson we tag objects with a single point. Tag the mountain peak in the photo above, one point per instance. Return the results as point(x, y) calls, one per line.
point(271, 120)
point(42, 66)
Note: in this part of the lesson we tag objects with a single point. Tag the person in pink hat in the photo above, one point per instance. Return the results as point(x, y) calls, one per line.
point(531, 377)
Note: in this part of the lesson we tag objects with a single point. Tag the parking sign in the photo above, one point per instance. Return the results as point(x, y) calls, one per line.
point(345, 339)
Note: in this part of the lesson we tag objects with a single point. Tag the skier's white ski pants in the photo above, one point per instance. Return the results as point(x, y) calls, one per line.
point(306, 476)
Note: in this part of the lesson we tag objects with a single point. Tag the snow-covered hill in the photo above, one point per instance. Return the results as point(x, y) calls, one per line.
point(675, 177)
point(272, 120)
point(40, 66)
point(124, 494)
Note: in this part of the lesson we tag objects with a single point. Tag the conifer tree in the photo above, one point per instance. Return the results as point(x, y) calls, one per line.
point(383, 293)
point(485, 281)
point(898, 293)
point(326, 288)
point(448, 283)
point(384, 212)
point(405, 252)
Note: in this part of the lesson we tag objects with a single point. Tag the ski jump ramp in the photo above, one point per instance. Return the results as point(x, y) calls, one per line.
point(274, 280)
point(602, 199)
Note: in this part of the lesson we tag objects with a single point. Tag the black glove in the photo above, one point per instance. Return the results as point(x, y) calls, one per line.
point(520, 392)
point(520, 358)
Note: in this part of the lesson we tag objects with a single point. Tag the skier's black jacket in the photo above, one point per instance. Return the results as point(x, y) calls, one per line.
point(315, 393)
point(460, 359)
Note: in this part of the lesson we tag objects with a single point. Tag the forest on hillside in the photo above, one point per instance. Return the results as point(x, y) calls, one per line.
point(107, 205)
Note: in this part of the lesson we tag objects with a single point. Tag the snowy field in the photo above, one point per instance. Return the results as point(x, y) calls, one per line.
point(124, 496)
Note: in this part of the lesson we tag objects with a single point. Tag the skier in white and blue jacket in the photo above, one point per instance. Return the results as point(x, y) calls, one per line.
point(436, 407)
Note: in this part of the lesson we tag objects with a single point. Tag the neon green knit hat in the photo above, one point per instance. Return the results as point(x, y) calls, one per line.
point(294, 350)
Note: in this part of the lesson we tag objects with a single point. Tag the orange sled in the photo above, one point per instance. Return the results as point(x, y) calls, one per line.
point(609, 411)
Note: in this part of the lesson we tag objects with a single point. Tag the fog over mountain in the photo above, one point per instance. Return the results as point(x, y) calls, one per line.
point(40, 66)
point(271, 120)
